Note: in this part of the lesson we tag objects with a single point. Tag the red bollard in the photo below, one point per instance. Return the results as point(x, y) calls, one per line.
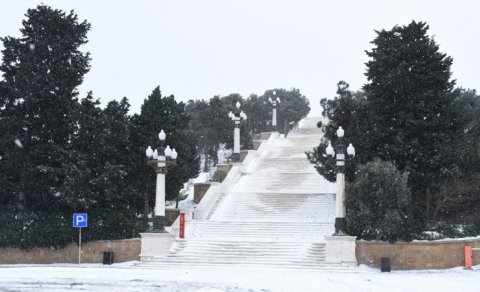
point(182, 225)
point(468, 257)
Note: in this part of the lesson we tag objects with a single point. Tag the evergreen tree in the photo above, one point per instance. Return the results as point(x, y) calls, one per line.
point(77, 193)
point(379, 205)
point(41, 72)
point(162, 113)
point(409, 95)
point(406, 115)
point(220, 125)
point(293, 107)
point(460, 194)
point(198, 112)
point(211, 125)
point(109, 184)
point(259, 111)
point(350, 111)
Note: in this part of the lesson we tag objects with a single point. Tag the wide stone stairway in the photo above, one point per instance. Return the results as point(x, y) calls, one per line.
point(274, 210)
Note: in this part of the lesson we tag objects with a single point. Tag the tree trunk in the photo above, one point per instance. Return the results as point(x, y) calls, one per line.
point(21, 204)
point(146, 205)
point(206, 166)
point(215, 154)
point(435, 211)
point(428, 204)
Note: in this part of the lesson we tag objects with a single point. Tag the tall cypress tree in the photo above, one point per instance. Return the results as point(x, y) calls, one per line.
point(222, 127)
point(409, 92)
point(112, 157)
point(201, 126)
point(162, 113)
point(41, 71)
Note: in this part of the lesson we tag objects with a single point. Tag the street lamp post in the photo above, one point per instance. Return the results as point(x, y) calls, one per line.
point(161, 160)
point(274, 102)
point(237, 117)
point(340, 210)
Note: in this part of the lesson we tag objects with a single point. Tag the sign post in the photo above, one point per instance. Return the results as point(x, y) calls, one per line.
point(80, 220)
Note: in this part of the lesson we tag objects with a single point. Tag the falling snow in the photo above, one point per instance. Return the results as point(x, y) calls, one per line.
point(18, 143)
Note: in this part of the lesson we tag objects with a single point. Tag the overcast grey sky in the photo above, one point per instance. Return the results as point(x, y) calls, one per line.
point(198, 49)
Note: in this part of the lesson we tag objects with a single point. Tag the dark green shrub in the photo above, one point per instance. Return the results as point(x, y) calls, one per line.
point(114, 224)
point(55, 229)
point(449, 231)
point(35, 230)
point(474, 228)
point(219, 176)
point(379, 205)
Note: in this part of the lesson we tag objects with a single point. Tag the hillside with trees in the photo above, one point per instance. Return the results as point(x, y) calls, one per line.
point(62, 154)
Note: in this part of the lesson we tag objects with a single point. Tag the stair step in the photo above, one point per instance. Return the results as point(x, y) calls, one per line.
point(275, 214)
point(322, 267)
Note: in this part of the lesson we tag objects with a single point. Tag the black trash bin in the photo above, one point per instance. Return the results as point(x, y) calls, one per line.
point(108, 258)
point(385, 264)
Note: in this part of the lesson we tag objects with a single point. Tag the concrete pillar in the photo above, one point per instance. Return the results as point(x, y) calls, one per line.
point(274, 115)
point(160, 195)
point(340, 196)
point(340, 210)
point(236, 141)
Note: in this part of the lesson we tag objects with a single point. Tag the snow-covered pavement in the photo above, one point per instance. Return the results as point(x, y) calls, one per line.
point(129, 277)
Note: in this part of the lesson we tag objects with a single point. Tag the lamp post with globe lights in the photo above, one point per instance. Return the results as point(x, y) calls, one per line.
point(161, 159)
point(237, 116)
point(274, 102)
point(340, 158)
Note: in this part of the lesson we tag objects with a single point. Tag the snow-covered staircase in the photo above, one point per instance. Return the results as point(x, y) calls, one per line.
point(275, 214)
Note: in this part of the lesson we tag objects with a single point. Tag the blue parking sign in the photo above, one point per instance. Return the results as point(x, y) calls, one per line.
point(80, 220)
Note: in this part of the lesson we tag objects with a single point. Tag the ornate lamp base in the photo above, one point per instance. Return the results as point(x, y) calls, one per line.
point(158, 225)
point(340, 227)
point(236, 157)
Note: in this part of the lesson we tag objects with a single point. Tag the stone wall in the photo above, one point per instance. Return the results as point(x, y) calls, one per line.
point(199, 190)
point(92, 252)
point(441, 254)
point(243, 154)
point(171, 215)
point(225, 168)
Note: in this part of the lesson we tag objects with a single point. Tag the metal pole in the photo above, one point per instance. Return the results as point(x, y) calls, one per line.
point(79, 245)
point(340, 212)
point(236, 140)
point(274, 116)
point(159, 218)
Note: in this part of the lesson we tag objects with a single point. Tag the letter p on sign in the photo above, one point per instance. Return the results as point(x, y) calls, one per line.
point(80, 220)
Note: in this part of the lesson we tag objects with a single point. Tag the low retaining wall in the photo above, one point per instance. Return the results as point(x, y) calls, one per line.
point(199, 190)
point(243, 155)
point(417, 255)
point(224, 168)
point(92, 252)
point(171, 215)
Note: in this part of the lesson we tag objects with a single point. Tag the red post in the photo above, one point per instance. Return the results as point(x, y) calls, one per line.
point(468, 257)
point(182, 225)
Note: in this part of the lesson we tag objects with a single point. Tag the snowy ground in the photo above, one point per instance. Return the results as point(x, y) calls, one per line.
point(128, 277)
